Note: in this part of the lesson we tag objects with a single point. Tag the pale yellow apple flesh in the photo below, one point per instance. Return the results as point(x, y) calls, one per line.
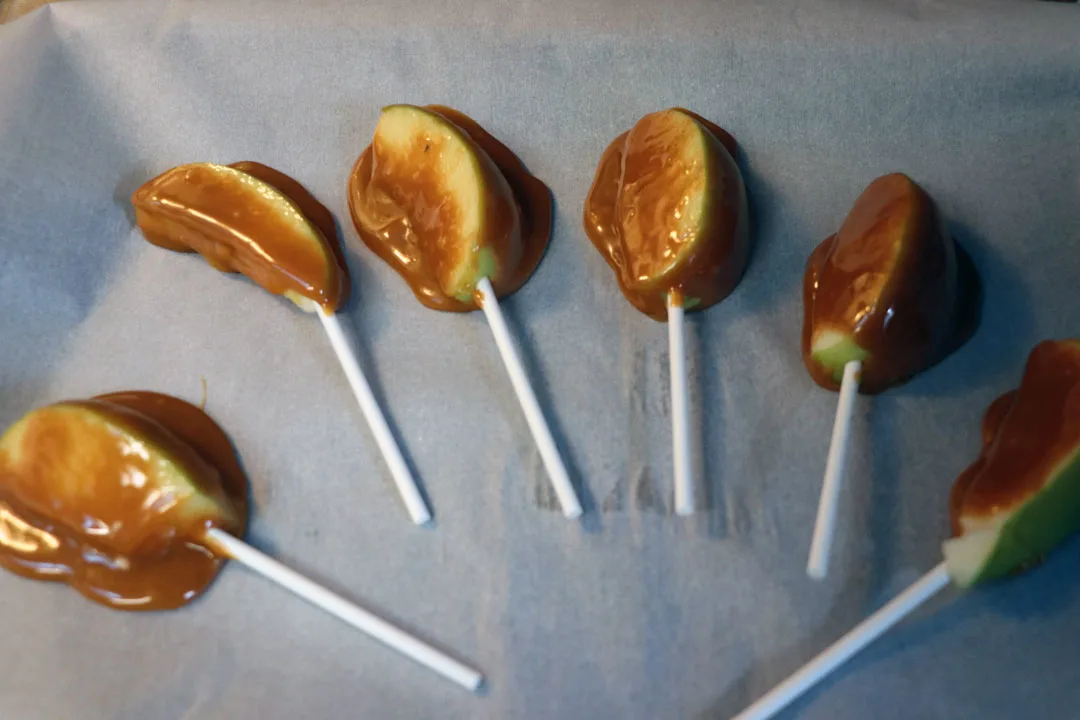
point(833, 349)
point(455, 198)
point(667, 196)
point(110, 475)
point(1016, 536)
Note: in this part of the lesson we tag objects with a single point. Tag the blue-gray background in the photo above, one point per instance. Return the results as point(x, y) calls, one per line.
point(632, 613)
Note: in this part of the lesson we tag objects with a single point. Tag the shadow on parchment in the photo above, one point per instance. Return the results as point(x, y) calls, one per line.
point(129, 182)
point(757, 682)
point(59, 214)
point(1044, 591)
point(769, 275)
point(640, 488)
point(884, 495)
point(999, 305)
point(707, 423)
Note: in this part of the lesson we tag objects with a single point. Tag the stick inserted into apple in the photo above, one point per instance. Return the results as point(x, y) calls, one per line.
point(667, 210)
point(1018, 501)
point(884, 298)
point(252, 219)
point(457, 215)
point(135, 499)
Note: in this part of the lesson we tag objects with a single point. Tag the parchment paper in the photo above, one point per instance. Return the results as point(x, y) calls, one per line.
point(632, 613)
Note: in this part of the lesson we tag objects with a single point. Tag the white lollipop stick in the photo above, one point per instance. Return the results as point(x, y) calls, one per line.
point(680, 408)
point(399, 469)
point(549, 453)
point(825, 527)
point(341, 608)
point(843, 649)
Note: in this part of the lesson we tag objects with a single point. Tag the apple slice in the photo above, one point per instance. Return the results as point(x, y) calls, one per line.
point(1021, 498)
point(113, 476)
point(833, 349)
point(667, 209)
point(241, 224)
point(459, 208)
point(667, 196)
point(885, 290)
point(1019, 536)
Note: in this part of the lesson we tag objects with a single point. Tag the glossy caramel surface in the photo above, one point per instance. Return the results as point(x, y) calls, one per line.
point(113, 536)
point(891, 278)
point(416, 242)
point(633, 209)
point(1027, 433)
point(316, 213)
point(251, 221)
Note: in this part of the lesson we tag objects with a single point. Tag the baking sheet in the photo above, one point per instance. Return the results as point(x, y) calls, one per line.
point(632, 613)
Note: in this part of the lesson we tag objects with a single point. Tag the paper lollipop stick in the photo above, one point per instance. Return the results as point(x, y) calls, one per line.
point(341, 608)
point(549, 453)
point(846, 647)
point(824, 528)
point(680, 410)
point(399, 469)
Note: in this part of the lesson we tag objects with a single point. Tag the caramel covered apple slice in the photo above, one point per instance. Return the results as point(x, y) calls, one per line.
point(104, 496)
point(884, 298)
point(886, 290)
point(667, 210)
point(446, 205)
point(460, 209)
point(242, 224)
point(453, 212)
point(135, 499)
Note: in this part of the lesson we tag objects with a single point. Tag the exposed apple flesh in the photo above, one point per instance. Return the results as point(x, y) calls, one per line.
point(459, 207)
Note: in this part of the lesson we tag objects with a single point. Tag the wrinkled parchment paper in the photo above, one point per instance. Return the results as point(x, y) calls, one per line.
point(632, 613)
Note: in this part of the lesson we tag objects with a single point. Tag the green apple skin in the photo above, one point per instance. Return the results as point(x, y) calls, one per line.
point(1026, 536)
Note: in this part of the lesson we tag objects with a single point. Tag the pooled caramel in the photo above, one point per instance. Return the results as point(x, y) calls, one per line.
point(894, 281)
point(251, 219)
point(417, 245)
point(119, 545)
point(635, 205)
point(1028, 434)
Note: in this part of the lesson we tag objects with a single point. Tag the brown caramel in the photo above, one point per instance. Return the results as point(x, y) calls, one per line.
point(316, 213)
point(237, 228)
point(139, 562)
point(893, 279)
point(416, 247)
point(622, 220)
point(1027, 434)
